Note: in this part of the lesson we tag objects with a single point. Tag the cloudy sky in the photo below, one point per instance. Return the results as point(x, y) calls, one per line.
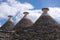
point(17, 7)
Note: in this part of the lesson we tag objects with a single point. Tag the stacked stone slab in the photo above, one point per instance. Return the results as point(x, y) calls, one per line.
point(6, 35)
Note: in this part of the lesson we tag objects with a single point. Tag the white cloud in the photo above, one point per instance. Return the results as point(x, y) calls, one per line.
point(6, 10)
point(15, 8)
point(11, 7)
point(1, 0)
point(0, 25)
point(20, 6)
point(54, 11)
point(33, 15)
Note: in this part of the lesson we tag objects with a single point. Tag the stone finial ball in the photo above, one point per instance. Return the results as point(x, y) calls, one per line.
point(45, 9)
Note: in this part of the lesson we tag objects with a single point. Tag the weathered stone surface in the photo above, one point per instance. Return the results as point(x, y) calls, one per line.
point(4, 35)
point(45, 28)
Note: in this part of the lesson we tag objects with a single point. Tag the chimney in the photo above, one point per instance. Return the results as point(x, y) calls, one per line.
point(10, 17)
point(45, 10)
point(26, 13)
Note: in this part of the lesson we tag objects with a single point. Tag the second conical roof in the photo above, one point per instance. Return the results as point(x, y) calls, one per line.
point(23, 23)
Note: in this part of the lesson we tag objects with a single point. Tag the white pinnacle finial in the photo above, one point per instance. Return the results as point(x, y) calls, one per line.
point(45, 10)
point(26, 13)
point(9, 17)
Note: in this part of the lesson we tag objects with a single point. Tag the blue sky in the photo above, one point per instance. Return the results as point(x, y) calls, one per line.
point(41, 3)
point(33, 6)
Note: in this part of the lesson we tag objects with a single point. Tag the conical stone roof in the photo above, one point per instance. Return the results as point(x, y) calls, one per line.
point(9, 25)
point(45, 28)
point(25, 22)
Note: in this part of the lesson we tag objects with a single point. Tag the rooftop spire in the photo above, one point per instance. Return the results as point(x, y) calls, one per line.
point(26, 13)
point(9, 17)
point(9, 25)
point(45, 10)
